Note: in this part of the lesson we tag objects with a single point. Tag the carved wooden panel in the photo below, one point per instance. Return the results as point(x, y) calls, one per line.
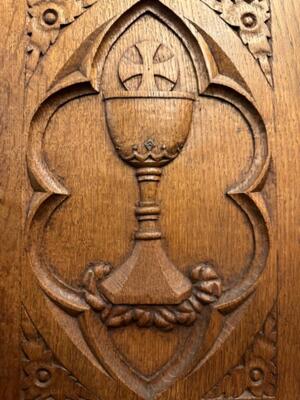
point(256, 375)
point(251, 20)
point(150, 220)
point(43, 377)
point(45, 20)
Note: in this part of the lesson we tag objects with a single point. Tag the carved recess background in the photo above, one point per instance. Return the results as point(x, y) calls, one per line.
point(219, 297)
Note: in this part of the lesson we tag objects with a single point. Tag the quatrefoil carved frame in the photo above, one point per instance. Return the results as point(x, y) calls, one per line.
point(79, 79)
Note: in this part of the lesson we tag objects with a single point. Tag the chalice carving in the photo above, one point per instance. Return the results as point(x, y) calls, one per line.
point(148, 122)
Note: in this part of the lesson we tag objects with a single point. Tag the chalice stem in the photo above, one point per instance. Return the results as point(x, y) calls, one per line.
point(148, 276)
point(148, 209)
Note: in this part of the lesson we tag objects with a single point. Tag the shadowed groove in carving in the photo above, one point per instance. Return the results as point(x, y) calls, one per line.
point(43, 375)
point(166, 17)
point(39, 235)
point(52, 286)
point(250, 20)
point(223, 66)
point(50, 194)
point(42, 179)
point(255, 376)
point(183, 361)
point(250, 114)
point(246, 194)
point(45, 22)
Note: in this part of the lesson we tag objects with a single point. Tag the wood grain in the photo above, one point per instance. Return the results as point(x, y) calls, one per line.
point(148, 199)
point(12, 175)
point(150, 96)
point(287, 102)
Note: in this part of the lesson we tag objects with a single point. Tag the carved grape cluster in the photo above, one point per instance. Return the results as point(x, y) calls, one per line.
point(206, 290)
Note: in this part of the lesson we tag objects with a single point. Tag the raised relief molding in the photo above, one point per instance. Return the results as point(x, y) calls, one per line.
point(148, 237)
point(102, 301)
point(250, 19)
point(207, 289)
point(152, 63)
point(255, 377)
point(134, 135)
point(44, 377)
point(46, 19)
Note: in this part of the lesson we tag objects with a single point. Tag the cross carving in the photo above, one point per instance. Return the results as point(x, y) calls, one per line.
point(148, 60)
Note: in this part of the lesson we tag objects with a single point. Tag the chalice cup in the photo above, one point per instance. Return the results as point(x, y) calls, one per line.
point(148, 130)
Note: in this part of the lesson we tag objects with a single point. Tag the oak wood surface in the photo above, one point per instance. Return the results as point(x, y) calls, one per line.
point(149, 200)
point(287, 102)
point(12, 30)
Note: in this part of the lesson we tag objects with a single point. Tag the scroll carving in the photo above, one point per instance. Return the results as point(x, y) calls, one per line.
point(43, 376)
point(148, 106)
point(46, 19)
point(255, 377)
point(250, 18)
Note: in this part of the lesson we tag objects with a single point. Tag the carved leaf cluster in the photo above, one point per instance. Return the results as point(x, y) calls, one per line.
point(46, 18)
point(250, 18)
point(207, 289)
point(43, 377)
point(256, 375)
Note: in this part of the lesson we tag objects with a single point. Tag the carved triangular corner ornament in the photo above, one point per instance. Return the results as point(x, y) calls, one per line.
point(43, 376)
point(250, 18)
point(150, 70)
point(256, 375)
point(45, 21)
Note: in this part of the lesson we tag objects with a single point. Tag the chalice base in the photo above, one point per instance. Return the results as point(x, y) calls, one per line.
point(147, 277)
